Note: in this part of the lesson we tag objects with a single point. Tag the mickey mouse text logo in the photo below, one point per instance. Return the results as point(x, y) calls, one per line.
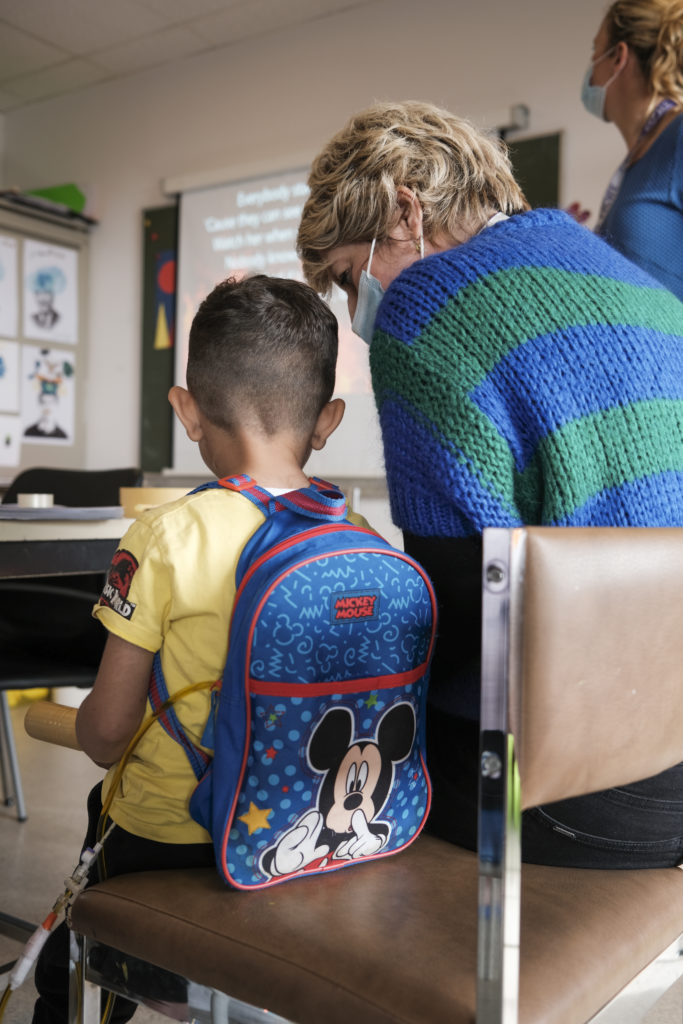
point(354, 606)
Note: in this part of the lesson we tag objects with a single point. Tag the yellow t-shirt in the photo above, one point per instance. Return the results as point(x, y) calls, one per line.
point(171, 588)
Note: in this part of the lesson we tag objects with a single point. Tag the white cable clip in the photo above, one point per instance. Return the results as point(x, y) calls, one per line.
point(72, 886)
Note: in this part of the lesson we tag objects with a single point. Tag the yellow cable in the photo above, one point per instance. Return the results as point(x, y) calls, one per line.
point(79, 988)
point(136, 738)
point(4, 999)
point(109, 1005)
point(108, 1008)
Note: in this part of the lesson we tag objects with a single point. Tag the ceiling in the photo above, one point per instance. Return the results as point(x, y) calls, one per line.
point(51, 47)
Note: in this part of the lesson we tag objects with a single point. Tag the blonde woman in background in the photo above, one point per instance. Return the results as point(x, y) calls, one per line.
point(524, 373)
point(635, 80)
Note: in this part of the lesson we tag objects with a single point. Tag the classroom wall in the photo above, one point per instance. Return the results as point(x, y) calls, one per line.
point(269, 103)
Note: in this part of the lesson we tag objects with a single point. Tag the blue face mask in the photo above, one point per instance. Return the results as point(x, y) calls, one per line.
point(370, 294)
point(593, 96)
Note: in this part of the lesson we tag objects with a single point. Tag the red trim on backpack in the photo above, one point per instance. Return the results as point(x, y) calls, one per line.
point(265, 688)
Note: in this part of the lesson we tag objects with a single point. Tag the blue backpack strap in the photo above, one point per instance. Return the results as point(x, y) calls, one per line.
point(158, 695)
point(320, 500)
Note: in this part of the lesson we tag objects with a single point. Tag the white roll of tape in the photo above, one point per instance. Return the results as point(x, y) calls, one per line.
point(35, 500)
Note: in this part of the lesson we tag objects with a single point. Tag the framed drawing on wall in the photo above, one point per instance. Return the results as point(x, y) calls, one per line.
point(43, 340)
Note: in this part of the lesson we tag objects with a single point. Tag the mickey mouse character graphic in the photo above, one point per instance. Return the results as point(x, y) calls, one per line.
point(358, 777)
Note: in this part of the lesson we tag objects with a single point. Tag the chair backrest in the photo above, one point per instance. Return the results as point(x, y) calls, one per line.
point(84, 487)
point(582, 655)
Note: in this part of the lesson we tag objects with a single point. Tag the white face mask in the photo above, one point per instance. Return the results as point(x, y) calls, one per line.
point(593, 96)
point(370, 294)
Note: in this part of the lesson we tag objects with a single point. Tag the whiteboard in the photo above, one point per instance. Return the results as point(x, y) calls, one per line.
point(250, 226)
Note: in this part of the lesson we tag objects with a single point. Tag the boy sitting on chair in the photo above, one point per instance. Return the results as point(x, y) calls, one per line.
point(260, 378)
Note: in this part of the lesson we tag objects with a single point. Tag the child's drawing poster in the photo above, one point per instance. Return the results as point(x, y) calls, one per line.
point(50, 292)
point(8, 287)
point(10, 440)
point(47, 396)
point(9, 376)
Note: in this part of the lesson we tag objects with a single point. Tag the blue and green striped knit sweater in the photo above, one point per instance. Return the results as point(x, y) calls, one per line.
point(530, 376)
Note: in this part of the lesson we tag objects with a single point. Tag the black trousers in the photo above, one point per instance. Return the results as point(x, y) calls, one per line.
point(124, 854)
point(634, 826)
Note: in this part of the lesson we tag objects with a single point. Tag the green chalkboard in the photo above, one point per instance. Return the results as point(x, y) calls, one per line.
point(536, 163)
point(160, 226)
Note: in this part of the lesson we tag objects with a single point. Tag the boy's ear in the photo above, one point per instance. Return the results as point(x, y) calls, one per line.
point(328, 420)
point(187, 411)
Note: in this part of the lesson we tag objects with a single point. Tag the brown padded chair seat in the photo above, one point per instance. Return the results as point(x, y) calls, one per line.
point(390, 943)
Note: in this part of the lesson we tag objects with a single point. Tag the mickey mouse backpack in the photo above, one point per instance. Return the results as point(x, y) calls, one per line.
point(318, 724)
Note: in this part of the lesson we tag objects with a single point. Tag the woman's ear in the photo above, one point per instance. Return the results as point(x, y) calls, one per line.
point(187, 411)
point(410, 213)
point(329, 418)
point(622, 54)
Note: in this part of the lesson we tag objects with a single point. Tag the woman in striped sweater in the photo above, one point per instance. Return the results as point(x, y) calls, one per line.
point(524, 373)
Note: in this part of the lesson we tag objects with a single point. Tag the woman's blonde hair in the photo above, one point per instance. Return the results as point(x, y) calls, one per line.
point(459, 174)
point(653, 29)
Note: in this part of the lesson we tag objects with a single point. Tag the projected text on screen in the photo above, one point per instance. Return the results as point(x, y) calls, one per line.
point(250, 227)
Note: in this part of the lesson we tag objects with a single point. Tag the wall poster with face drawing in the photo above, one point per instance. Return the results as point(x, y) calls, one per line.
point(8, 287)
point(50, 292)
point(47, 395)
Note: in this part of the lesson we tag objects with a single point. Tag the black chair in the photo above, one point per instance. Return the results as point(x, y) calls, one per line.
point(48, 637)
point(83, 487)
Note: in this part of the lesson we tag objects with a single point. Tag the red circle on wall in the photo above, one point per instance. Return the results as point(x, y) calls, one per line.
point(166, 277)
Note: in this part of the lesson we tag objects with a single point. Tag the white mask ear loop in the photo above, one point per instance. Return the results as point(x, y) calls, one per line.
point(372, 249)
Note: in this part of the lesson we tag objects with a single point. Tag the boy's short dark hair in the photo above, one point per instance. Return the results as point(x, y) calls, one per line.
point(263, 351)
